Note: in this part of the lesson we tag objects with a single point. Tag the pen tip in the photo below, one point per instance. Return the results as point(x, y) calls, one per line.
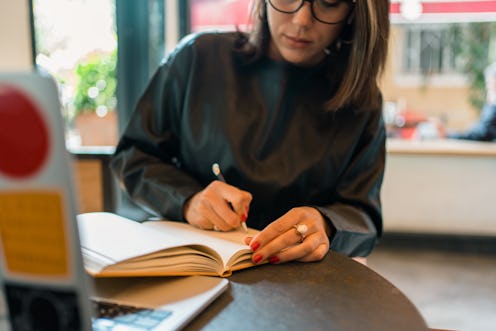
point(244, 227)
point(216, 169)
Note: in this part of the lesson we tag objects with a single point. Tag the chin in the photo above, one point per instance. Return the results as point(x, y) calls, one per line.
point(302, 60)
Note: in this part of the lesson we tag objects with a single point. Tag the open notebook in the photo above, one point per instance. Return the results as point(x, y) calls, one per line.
point(43, 285)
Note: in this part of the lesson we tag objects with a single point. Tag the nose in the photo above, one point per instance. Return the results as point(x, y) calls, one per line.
point(304, 17)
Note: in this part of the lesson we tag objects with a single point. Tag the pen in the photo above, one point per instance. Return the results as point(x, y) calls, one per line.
point(218, 174)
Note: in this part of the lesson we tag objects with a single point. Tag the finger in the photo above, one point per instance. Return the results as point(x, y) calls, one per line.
point(240, 200)
point(195, 212)
point(285, 241)
point(317, 246)
point(248, 240)
point(241, 206)
point(318, 254)
point(235, 199)
point(312, 249)
point(215, 221)
point(223, 210)
point(272, 231)
point(216, 209)
point(209, 208)
point(281, 232)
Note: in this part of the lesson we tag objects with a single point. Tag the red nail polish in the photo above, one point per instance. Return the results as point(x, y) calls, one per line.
point(254, 246)
point(273, 260)
point(257, 258)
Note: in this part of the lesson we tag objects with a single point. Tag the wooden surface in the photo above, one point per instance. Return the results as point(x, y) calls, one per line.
point(441, 147)
point(88, 178)
point(95, 187)
point(334, 294)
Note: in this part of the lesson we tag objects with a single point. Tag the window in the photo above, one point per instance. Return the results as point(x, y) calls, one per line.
point(431, 49)
point(76, 43)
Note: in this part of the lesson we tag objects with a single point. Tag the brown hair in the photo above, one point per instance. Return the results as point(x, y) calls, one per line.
point(358, 61)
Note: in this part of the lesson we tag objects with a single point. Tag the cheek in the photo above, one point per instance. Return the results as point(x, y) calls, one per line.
point(331, 34)
point(274, 23)
point(275, 27)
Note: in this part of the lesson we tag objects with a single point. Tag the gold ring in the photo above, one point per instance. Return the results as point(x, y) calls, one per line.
point(301, 230)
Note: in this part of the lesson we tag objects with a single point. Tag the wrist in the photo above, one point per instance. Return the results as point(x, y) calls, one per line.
point(327, 223)
point(186, 208)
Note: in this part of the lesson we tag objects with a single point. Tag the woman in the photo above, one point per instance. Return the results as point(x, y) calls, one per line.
point(290, 112)
point(485, 128)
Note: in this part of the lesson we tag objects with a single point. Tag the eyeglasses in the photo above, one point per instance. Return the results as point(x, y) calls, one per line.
point(325, 11)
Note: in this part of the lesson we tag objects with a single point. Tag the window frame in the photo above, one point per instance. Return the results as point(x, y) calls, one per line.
point(446, 77)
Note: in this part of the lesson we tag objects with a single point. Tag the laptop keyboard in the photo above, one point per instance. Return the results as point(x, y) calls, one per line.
point(114, 317)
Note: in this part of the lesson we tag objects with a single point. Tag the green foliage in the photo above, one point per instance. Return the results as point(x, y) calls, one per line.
point(96, 83)
point(476, 50)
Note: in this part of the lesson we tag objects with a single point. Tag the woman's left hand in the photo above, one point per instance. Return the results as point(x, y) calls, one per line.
point(281, 240)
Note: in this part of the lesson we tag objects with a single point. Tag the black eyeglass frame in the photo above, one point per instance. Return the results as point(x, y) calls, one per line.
point(351, 2)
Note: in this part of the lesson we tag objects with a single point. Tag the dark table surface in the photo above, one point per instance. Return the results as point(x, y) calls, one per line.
point(334, 294)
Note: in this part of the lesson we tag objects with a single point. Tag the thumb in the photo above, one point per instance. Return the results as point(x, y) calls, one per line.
point(248, 240)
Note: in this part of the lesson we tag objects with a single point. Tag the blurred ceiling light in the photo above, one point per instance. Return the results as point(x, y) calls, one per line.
point(411, 9)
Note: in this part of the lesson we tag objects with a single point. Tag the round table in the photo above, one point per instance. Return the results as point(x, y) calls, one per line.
point(336, 293)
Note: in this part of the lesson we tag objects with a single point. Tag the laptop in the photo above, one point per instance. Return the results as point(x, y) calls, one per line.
point(43, 285)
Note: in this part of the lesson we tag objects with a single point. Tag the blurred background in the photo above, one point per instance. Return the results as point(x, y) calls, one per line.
point(439, 243)
point(438, 52)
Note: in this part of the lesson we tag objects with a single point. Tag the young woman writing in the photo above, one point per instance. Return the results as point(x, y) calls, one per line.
point(291, 112)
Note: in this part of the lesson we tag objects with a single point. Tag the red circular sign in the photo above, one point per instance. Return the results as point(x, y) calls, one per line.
point(24, 138)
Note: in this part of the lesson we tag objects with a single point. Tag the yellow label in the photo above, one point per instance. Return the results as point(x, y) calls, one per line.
point(33, 234)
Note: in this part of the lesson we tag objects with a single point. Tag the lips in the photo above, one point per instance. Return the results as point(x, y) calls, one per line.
point(297, 42)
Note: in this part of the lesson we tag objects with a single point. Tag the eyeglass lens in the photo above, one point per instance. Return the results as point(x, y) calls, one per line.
point(326, 11)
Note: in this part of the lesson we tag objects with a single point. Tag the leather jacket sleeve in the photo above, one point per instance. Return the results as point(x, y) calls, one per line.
point(356, 216)
point(145, 161)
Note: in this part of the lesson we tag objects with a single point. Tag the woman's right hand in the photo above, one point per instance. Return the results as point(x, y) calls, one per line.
point(219, 206)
